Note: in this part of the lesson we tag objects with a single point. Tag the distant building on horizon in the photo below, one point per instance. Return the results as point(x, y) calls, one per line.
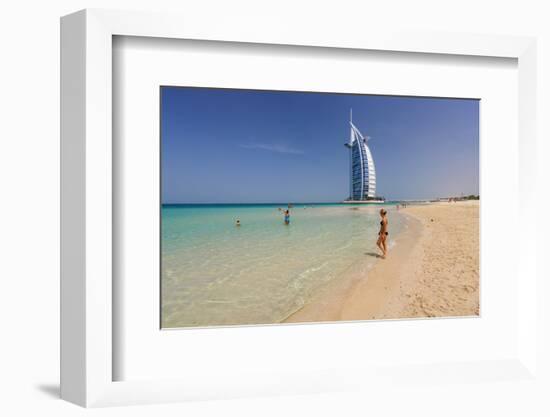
point(362, 185)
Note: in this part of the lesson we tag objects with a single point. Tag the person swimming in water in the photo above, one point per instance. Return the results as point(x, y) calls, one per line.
point(287, 217)
point(383, 233)
point(238, 222)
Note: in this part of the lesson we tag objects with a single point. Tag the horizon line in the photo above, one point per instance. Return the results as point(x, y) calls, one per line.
point(315, 202)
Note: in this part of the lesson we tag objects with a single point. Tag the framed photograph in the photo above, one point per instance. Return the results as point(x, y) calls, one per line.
point(266, 218)
point(244, 210)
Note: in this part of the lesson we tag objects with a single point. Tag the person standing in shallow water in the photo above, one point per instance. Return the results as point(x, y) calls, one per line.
point(287, 217)
point(383, 233)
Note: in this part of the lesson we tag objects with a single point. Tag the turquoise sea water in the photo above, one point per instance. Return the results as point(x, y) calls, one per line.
point(215, 273)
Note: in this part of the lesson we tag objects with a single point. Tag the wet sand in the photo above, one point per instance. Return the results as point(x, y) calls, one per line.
point(432, 271)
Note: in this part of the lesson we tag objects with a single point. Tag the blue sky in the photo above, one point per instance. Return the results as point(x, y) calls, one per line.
point(243, 146)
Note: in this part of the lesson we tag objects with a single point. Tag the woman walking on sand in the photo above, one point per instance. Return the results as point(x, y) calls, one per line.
point(383, 233)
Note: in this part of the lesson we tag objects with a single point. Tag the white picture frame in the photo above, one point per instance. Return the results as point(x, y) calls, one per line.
point(86, 129)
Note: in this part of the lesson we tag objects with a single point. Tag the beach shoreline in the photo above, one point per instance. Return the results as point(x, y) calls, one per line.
point(432, 271)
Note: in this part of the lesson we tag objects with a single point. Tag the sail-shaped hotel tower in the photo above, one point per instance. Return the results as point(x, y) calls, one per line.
point(362, 172)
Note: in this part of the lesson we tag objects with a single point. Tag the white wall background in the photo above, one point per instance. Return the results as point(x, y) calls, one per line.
point(29, 175)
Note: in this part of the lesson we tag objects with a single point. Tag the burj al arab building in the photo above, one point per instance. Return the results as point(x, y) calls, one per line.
point(362, 187)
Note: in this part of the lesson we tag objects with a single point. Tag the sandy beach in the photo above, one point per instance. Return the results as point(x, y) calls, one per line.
point(432, 271)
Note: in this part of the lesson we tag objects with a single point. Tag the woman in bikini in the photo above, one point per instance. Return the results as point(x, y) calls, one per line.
point(383, 233)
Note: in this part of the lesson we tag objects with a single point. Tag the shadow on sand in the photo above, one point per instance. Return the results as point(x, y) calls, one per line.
point(374, 255)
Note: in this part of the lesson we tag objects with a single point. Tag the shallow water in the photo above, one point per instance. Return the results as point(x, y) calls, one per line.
point(214, 273)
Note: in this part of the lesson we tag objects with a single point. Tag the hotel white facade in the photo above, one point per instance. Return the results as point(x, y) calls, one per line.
point(362, 171)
